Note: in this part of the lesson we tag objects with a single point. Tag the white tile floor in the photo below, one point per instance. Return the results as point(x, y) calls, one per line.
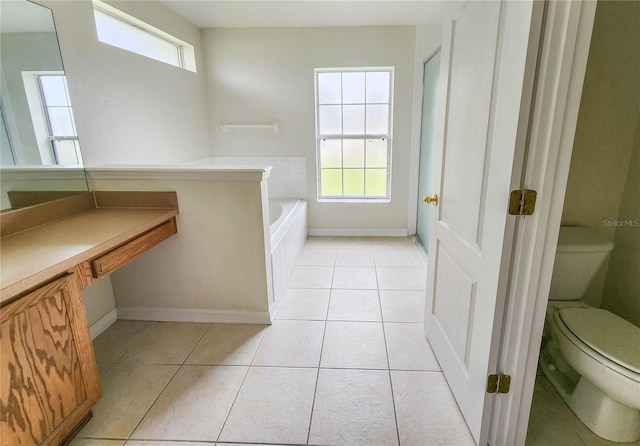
point(345, 363)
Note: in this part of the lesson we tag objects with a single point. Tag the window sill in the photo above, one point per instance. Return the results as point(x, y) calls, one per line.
point(355, 200)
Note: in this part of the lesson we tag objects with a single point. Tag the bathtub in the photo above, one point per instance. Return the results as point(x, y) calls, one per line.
point(288, 227)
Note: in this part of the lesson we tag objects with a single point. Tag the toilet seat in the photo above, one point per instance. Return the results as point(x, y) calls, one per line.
point(604, 336)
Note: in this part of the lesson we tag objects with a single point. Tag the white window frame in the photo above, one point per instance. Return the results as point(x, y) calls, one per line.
point(185, 52)
point(40, 118)
point(341, 136)
point(53, 138)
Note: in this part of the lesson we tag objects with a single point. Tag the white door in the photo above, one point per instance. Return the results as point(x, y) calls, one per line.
point(482, 104)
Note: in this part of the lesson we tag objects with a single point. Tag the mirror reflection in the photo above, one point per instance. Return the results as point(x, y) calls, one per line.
point(40, 153)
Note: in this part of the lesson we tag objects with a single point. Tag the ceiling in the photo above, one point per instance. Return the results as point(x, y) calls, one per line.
point(305, 13)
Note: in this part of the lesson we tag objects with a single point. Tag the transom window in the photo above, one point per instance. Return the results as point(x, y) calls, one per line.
point(353, 130)
point(124, 31)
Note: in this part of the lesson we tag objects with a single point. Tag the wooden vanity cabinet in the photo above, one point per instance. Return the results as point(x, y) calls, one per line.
point(49, 379)
point(49, 376)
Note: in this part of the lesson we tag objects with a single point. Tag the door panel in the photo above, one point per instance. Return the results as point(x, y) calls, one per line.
point(454, 299)
point(485, 53)
point(473, 46)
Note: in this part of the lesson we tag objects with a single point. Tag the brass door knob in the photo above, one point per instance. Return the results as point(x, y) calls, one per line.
point(433, 199)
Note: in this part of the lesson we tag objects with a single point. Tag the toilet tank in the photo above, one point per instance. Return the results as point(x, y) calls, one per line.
point(580, 254)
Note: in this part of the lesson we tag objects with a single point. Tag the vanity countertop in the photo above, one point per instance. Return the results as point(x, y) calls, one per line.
point(34, 255)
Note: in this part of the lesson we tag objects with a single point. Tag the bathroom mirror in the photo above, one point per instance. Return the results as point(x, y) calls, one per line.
point(40, 156)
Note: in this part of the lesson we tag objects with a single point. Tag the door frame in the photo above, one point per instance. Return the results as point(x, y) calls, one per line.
point(417, 201)
point(560, 77)
point(428, 42)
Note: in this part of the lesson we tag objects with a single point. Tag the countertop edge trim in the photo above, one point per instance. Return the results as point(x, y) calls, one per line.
point(16, 289)
point(177, 173)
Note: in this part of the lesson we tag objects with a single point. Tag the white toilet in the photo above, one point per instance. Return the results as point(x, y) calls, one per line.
point(591, 356)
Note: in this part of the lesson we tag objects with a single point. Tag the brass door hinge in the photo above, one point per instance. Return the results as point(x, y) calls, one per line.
point(522, 202)
point(499, 383)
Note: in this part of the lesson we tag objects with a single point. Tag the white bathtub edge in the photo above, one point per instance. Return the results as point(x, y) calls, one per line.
point(279, 228)
point(286, 244)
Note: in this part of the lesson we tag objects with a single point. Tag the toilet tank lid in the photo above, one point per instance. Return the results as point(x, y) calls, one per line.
point(613, 337)
point(578, 239)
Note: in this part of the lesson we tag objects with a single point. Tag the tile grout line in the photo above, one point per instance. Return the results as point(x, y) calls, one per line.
point(324, 332)
point(315, 388)
point(117, 361)
point(318, 367)
point(244, 378)
point(165, 387)
point(386, 348)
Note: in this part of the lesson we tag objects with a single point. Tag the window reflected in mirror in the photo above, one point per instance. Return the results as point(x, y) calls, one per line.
point(39, 148)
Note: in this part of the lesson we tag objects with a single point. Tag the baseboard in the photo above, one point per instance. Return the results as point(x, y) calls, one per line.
point(193, 315)
point(103, 323)
point(358, 232)
point(273, 310)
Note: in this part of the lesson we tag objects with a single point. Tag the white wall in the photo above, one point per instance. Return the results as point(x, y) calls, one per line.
point(288, 178)
point(257, 75)
point(100, 306)
point(215, 268)
point(129, 108)
point(622, 286)
point(606, 125)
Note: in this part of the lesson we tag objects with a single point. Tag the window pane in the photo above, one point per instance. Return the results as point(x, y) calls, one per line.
point(55, 90)
point(330, 153)
point(66, 152)
point(331, 182)
point(352, 105)
point(377, 119)
point(329, 86)
point(115, 32)
point(354, 182)
point(353, 153)
point(377, 152)
point(330, 120)
point(353, 119)
point(353, 88)
point(376, 183)
point(378, 87)
point(61, 121)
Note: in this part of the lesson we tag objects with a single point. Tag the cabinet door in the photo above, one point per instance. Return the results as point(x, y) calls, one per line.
point(49, 379)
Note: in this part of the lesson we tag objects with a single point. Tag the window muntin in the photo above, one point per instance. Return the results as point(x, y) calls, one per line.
point(121, 30)
point(58, 114)
point(353, 109)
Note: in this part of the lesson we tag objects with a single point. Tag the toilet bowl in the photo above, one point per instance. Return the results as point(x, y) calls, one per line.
point(604, 351)
point(591, 356)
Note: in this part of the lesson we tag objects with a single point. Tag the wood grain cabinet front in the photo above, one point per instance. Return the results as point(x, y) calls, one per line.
point(49, 378)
